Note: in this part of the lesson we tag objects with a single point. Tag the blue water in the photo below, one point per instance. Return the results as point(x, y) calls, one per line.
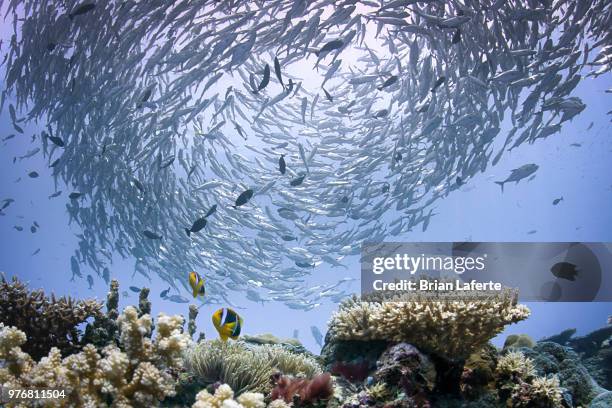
point(478, 211)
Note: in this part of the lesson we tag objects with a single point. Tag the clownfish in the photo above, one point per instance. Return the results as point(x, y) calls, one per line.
point(228, 323)
point(197, 284)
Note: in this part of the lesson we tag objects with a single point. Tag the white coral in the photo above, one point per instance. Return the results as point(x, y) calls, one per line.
point(223, 398)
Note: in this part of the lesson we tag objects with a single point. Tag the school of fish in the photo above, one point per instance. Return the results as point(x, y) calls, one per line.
point(258, 141)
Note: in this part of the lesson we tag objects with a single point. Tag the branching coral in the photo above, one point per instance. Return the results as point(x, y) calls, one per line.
point(134, 374)
point(49, 322)
point(432, 326)
point(514, 365)
point(224, 398)
point(246, 368)
point(542, 392)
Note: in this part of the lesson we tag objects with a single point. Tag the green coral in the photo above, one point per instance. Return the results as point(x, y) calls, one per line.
point(518, 341)
point(246, 368)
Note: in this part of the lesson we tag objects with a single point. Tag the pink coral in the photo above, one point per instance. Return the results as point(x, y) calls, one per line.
point(304, 390)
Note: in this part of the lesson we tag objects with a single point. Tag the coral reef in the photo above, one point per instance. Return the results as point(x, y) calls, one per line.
point(478, 375)
point(302, 391)
point(595, 351)
point(135, 373)
point(49, 322)
point(432, 326)
point(603, 400)
point(553, 359)
point(405, 366)
point(244, 367)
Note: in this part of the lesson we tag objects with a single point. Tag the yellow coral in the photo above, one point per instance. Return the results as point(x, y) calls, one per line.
point(133, 375)
point(431, 325)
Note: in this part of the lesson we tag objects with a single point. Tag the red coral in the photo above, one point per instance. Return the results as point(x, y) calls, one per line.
point(351, 371)
point(306, 391)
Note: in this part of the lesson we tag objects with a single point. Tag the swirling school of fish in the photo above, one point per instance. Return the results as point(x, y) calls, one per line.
point(256, 140)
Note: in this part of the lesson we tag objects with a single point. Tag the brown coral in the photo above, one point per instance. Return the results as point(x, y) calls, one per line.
point(301, 390)
point(48, 322)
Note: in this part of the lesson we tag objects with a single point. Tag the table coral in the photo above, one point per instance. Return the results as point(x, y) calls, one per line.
point(135, 373)
point(432, 326)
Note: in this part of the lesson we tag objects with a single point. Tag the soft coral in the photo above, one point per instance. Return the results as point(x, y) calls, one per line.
point(303, 390)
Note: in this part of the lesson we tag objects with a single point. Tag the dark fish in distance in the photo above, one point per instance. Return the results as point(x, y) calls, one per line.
point(557, 200)
point(282, 166)
point(288, 238)
point(33, 229)
point(33, 174)
point(135, 289)
point(164, 293)
point(266, 78)
point(18, 228)
point(75, 195)
point(35, 252)
point(390, 81)
point(297, 181)
point(90, 281)
point(518, 174)
point(211, 211)
point(82, 9)
point(564, 270)
point(328, 95)
point(57, 141)
point(437, 84)
point(277, 71)
point(151, 235)
point(243, 198)
point(330, 46)
point(197, 226)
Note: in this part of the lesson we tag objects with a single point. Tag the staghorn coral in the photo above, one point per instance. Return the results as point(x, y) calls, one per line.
point(542, 392)
point(302, 391)
point(103, 331)
point(432, 326)
point(246, 368)
point(224, 398)
point(137, 373)
point(49, 322)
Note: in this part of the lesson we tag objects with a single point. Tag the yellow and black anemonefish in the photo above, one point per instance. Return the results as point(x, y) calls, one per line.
point(197, 284)
point(228, 323)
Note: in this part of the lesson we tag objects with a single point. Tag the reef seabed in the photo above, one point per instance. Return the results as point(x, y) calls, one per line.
point(124, 360)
